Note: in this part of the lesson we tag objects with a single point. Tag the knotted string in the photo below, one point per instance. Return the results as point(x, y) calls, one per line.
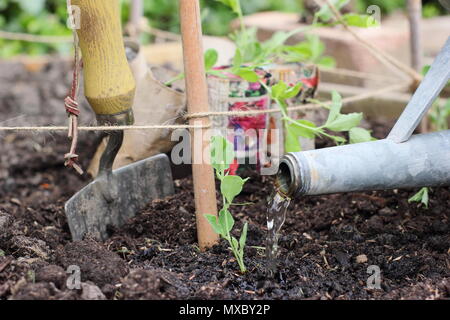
point(71, 105)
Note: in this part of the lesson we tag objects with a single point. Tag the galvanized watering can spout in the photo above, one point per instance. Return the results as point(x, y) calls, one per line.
point(400, 161)
point(422, 161)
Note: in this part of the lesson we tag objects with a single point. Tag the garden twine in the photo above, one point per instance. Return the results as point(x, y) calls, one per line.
point(306, 107)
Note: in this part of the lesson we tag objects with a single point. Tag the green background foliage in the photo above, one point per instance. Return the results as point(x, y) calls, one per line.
point(48, 17)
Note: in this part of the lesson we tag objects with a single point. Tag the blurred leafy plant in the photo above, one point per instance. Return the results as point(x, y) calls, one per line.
point(36, 17)
point(440, 115)
point(336, 122)
point(440, 112)
point(325, 15)
point(48, 17)
point(251, 54)
point(311, 50)
point(385, 6)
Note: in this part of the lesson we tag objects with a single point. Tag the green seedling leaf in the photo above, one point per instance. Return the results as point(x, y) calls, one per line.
point(292, 143)
point(300, 52)
point(360, 20)
point(341, 122)
point(222, 153)
point(316, 46)
point(425, 70)
point(211, 58)
point(292, 92)
point(439, 115)
point(231, 186)
point(336, 107)
point(281, 91)
point(243, 238)
point(447, 108)
point(327, 62)
point(277, 40)
point(278, 90)
point(310, 133)
point(233, 4)
point(173, 80)
point(359, 135)
point(247, 74)
point(338, 140)
point(422, 197)
point(310, 50)
point(217, 73)
point(304, 128)
point(345, 122)
point(294, 132)
point(253, 53)
point(213, 221)
point(237, 60)
point(275, 44)
point(235, 244)
point(250, 47)
point(226, 221)
point(325, 14)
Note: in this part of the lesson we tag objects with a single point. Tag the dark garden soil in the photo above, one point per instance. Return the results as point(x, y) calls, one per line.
point(328, 242)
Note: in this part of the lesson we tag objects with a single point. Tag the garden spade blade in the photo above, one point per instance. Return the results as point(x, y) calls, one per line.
point(129, 189)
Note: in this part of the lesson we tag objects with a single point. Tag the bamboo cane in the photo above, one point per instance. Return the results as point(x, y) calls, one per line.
point(197, 98)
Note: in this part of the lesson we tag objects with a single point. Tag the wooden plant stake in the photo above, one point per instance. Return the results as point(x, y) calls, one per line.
point(197, 99)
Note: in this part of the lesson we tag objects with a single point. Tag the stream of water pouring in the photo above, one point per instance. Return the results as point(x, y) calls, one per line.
point(276, 216)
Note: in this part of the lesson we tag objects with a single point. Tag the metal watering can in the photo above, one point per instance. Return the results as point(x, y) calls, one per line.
point(399, 161)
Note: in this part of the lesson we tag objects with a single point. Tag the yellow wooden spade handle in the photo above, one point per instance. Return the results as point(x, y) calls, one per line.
point(108, 82)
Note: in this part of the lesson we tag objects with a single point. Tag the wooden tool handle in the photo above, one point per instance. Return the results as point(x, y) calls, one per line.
point(108, 82)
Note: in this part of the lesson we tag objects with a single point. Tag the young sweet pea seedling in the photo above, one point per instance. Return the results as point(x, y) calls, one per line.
point(336, 122)
point(421, 197)
point(222, 155)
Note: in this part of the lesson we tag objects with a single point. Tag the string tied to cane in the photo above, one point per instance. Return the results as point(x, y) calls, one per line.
point(73, 112)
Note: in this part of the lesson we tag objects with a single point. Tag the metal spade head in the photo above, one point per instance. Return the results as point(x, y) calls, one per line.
point(112, 199)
